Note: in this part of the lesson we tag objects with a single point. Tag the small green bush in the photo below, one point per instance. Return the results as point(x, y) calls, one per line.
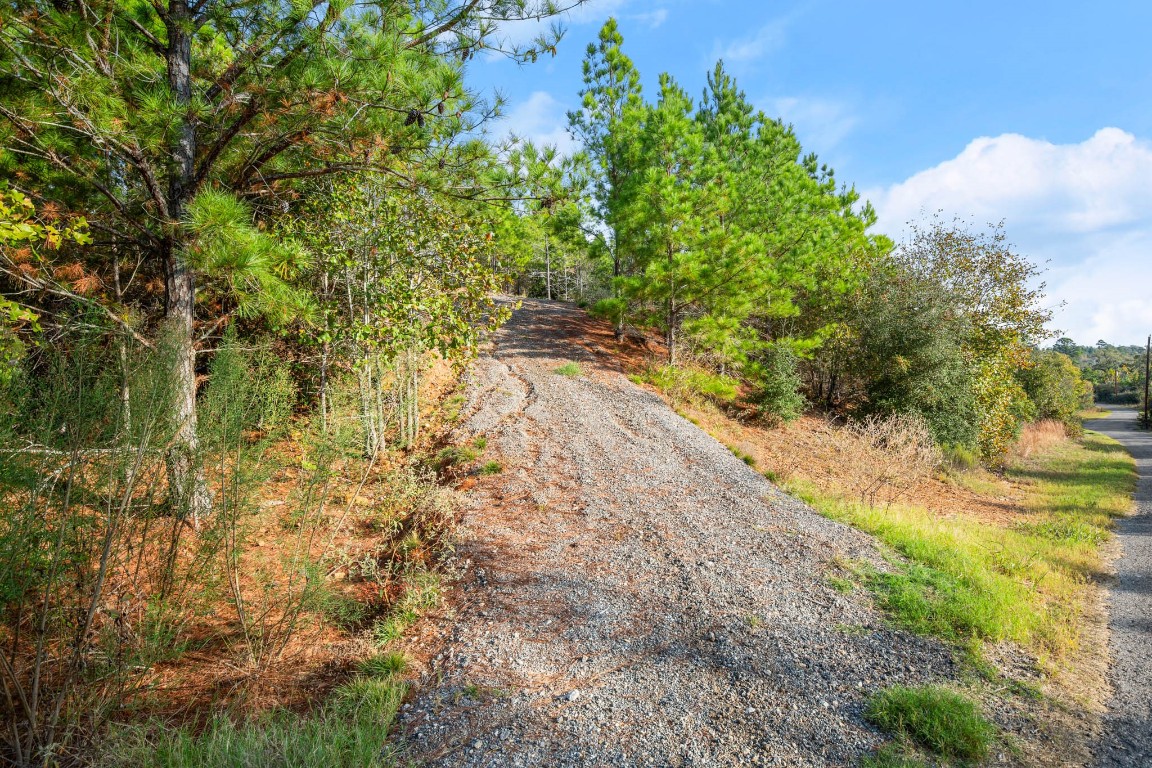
point(778, 396)
point(939, 719)
point(454, 455)
point(1056, 387)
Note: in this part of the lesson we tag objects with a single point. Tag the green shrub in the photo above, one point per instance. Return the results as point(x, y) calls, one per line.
point(907, 351)
point(1055, 386)
point(939, 719)
point(778, 395)
point(611, 310)
point(454, 455)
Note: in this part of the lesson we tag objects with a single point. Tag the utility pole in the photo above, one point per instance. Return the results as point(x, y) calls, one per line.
point(1147, 370)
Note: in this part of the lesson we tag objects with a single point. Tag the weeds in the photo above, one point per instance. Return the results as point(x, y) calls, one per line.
point(421, 593)
point(102, 576)
point(744, 457)
point(892, 756)
point(961, 578)
point(570, 369)
point(691, 384)
point(888, 455)
point(1039, 436)
point(349, 732)
point(454, 455)
point(383, 665)
point(938, 719)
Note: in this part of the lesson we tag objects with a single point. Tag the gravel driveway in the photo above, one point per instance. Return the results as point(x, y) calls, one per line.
point(1127, 739)
point(635, 595)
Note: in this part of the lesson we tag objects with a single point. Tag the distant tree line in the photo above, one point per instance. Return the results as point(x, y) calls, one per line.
point(1115, 372)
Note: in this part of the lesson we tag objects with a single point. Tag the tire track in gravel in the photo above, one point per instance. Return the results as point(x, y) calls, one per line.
point(635, 595)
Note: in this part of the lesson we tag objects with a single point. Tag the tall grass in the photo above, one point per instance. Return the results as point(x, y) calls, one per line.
point(349, 732)
point(690, 384)
point(962, 578)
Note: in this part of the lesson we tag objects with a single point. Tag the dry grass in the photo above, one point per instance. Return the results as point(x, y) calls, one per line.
point(887, 457)
point(1038, 437)
point(380, 527)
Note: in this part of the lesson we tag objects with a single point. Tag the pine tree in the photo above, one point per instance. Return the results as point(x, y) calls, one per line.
point(134, 111)
point(607, 125)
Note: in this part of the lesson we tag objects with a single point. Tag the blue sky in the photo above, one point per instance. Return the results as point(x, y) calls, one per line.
point(1037, 113)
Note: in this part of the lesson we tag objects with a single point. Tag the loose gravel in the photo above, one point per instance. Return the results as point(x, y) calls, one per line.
point(1127, 739)
point(635, 595)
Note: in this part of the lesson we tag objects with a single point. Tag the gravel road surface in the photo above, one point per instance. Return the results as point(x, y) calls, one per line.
point(1127, 739)
point(635, 595)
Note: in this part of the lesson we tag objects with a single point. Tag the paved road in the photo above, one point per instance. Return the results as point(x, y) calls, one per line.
point(1127, 740)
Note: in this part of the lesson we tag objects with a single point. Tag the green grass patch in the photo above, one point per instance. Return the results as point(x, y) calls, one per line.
point(744, 457)
point(691, 384)
point(936, 718)
point(962, 578)
point(350, 731)
point(422, 592)
point(841, 585)
point(383, 665)
point(570, 369)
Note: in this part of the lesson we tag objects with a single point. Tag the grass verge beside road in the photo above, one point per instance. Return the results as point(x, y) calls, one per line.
point(962, 578)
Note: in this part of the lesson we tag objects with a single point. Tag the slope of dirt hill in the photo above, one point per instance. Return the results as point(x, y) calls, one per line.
point(635, 595)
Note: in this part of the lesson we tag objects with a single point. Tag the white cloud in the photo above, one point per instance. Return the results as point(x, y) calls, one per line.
point(1085, 208)
point(821, 124)
point(652, 19)
point(542, 119)
point(768, 39)
point(1109, 294)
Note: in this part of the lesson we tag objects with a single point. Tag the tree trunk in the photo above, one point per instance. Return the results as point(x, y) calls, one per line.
point(670, 338)
point(547, 268)
point(616, 272)
point(187, 488)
